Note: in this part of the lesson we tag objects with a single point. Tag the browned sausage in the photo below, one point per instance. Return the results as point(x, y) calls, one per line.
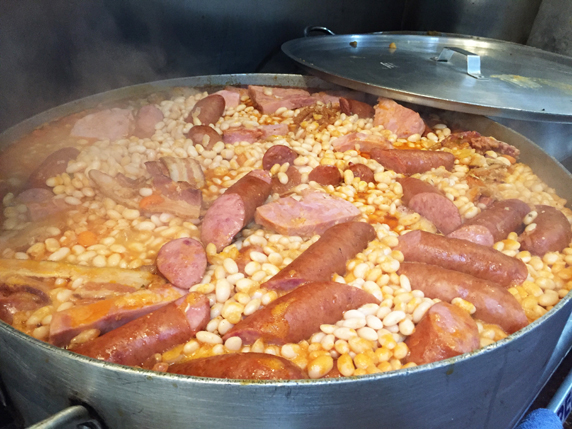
point(462, 255)
point(207, 110)
point(494, 303)
point(362, 171)
point(430, 203)
point(412, 161)
point(326, 175)
point(235, 209)
point(136, 341)
point(325, 257)
point(182, 261)
point(278, 154)
point(445, 331)
point(552, 232)
point(298, 314)
point(241, 366)
point(354, 107)
point(493, 224)
point(294, 179)
point(54, 164)
point(198, 133)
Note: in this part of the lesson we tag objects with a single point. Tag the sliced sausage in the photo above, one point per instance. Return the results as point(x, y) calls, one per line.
point(234, 210)
point(326, 175)
point(298, 314)
point(445, 331)
point(183, 262)
point(552, 232)
point(325, 257)
point(294, 179)
point(494, 303)
point(204, 135)
point(207, 110)
point(54, 164)
point(241, 366)
point(362, 171)
point(108, 314)
point(493, 224)
point(430, 203)
point(461, 255)
point(313, 214)
point(408, 162)
point(135, 342)
point(278, 154)
point(354, 107)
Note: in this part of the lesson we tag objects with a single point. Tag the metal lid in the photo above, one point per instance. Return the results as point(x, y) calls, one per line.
point(482, 76)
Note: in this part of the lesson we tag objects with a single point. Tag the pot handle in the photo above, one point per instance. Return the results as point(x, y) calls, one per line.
point(473, 60)
point(312, 28)
point(74, 417)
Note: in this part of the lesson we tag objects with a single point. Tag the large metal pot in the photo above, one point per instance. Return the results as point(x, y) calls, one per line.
point(490, 388)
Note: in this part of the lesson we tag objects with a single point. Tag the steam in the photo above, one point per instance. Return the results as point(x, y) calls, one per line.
point(55, 52)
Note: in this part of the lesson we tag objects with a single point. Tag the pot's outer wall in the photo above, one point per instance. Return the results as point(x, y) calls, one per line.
point(490, 388)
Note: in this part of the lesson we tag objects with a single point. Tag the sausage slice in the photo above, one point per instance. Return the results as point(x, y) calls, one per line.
point(552, 232)
point(234, 209)
point(241, 366)
point(298, 314)
point(278, 154)
point(430, 203)
point(445, 331)
point(182, 261)
point(354, 107)
point(326, 175)
point(207, 110)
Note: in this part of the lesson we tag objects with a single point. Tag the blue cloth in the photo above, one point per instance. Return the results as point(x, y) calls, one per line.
point(541, 418)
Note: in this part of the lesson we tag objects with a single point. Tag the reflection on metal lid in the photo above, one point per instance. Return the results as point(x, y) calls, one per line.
point(481, 76)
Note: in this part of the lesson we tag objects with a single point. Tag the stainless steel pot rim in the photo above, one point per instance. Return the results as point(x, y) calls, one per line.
point(16, 131)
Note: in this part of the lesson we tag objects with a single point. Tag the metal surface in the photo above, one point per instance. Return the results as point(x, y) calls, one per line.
point(73, 417)
point(500, 19)
point(522, 82)
point(490, 388)
point(561, 403)
point(473, 60)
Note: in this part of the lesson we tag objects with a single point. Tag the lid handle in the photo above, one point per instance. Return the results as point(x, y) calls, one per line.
point(473, 60)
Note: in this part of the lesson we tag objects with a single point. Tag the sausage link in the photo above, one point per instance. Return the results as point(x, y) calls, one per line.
point(241, 366)
point(461, 255)
point(494, 303)
point(136, 341)
point(298, 314)
point(412, 161)
point(235, 209)
point(493, 224)
point(430, 203)
point(207, 110)
point(325, 257)
point(445, 331)
point(552, 232)
point(354, 107)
